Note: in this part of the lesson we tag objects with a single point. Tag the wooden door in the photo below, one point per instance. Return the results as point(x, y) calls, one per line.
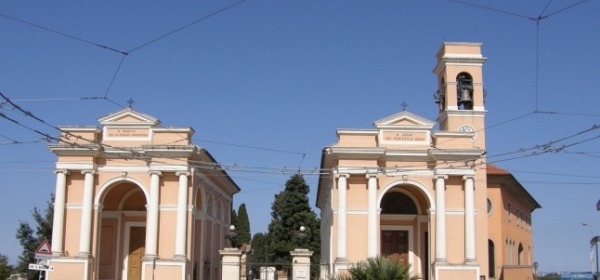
point(137, 242)
point(394, 245)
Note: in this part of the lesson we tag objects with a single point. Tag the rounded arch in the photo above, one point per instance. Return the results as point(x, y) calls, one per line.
point(400, 201)
point(199, 198)
point(411, 183)
point(115, 181)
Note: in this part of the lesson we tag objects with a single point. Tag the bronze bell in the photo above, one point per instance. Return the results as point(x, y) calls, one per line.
point(465, 96)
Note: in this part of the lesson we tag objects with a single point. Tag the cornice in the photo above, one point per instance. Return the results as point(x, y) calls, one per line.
point(455, 154)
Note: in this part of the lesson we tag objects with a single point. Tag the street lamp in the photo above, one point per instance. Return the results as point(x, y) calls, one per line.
point(232, 236)
point(594, 242)
point(535, 270)
point(301, 235)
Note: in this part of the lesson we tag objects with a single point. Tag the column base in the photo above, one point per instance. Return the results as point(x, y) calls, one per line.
point(84, 255)
point(471, 262)
point(179, 257)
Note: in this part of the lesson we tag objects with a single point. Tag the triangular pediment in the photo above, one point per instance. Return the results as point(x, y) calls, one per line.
point(127, 117)
point(404, 119)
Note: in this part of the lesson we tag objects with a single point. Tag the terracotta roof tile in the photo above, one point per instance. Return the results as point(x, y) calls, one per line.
point(495, 170)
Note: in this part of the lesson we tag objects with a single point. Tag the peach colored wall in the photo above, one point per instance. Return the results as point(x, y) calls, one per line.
point(173, 271)
point(358, 188)
point(67, 270)
point(167, 223)
point(72, 228)
point(107, 261)
point(354, 140)
point(357, 235)
point(170, 138)
point(457, 274)
point(455, 248)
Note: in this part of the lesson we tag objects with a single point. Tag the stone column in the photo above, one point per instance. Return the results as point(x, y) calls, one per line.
point(231, 263)
point(372, 216)
point(469, 220)
point(182, 200)
point(58, 222)
point(301, 264)
point(341, 217)
point(440, 218)
point(152, 216)
point(86, 214)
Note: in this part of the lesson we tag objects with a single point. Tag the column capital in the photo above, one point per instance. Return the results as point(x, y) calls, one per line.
point(155, 172)
point(467, 177)
point(90, 171)
point(438, 176)
point(372, 175)
point(344, 175)
point(62, 171)
point(184, 173)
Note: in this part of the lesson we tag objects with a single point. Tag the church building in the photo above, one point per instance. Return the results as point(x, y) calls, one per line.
point(427, 197)
point(136, 200)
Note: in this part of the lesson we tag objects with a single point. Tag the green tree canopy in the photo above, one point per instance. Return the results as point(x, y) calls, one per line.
point(242, 225)
point(30, 239)
point(5, 268)
point(290, 211)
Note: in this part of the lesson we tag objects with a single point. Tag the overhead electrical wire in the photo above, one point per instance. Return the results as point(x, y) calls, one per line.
point(537, 21)
point(228, 7)
point(123, 54)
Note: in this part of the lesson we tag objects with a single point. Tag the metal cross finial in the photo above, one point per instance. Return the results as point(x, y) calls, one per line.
point(130, 102)
point(404, 105)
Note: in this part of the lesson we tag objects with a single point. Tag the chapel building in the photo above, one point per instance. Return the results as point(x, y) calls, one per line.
point(136, 200)
point(424, 197)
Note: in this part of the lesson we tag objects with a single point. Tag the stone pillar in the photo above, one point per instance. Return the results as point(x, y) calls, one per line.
point(301, 264)
point(440, 218)
point(230, 263)
point(152, 216)
point(58, 222)
point(182, 200)
point(341, 217)
point(469, 220)
point(86, 214)
point(372, 216)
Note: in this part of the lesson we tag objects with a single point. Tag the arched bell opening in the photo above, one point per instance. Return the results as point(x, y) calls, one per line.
point(404, 227)
point(121, 231)
point(464, 91)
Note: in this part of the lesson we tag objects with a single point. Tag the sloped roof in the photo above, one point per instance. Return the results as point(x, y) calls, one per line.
point(495, 170)
point(514, 187)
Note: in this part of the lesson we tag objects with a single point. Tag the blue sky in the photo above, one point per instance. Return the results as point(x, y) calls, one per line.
point(265, 84)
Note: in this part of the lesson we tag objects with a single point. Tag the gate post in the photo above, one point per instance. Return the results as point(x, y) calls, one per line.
point(301, 264)
point(230, 263)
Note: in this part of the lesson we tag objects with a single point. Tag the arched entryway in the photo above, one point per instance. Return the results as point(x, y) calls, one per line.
point(404, 227)
point(121, 231)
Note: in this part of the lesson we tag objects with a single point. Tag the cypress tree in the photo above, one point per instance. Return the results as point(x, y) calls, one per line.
point(242, 225)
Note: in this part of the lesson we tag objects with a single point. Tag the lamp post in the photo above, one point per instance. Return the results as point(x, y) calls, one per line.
point(535, 270)
point(594, 242)
point(592, 246)
point(232, 236)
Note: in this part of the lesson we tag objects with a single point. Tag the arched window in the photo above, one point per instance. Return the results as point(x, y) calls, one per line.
point(491, 259)
point(398, 203)
point(521, 254)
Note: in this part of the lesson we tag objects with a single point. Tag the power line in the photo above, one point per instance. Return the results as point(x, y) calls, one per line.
point(64, 34)
point(201, 19)
point(537, 21)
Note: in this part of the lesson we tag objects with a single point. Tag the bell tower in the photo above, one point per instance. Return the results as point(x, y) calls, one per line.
point(460, 94)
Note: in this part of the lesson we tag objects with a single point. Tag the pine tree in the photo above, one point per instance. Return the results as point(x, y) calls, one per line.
point(290, 211)
point(242, 225)
point(30, 240)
